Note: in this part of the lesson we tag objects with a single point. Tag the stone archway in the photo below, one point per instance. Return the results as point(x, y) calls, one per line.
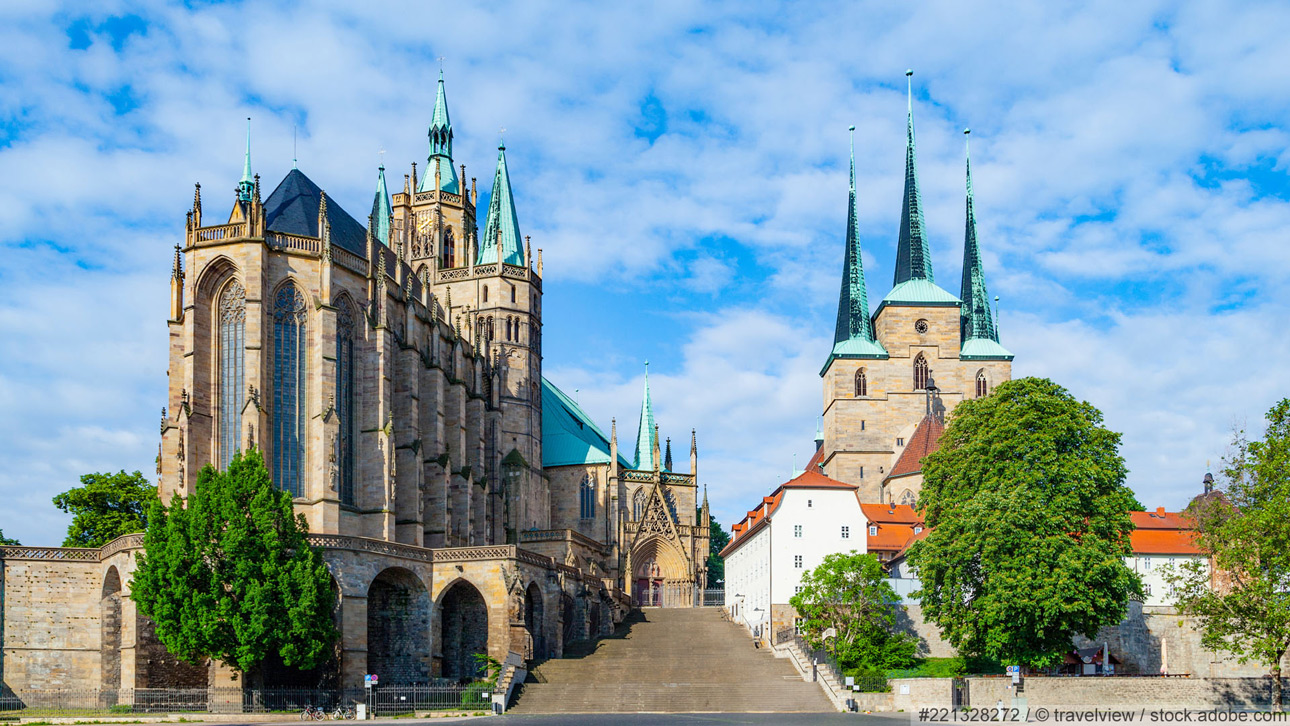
point(660, 574)
point(463, 631)
point(110, 648)
point(534, 621)
point(398, 628)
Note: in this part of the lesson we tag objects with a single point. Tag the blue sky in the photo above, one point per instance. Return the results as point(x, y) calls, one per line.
point(683, 168)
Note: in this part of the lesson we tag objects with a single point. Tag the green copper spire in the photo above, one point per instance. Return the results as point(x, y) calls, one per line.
point(440, 158)
point(246, 186)
point(381, 210)
point(980, 337)
point(854, 335)
point(502, 226)
point(645, 433)
point(913, 260)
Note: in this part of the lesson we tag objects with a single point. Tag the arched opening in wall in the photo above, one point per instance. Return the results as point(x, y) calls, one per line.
point(398, 628)
point(485, 289)
point(572, 629)
point(274, 673)
point(660, 575)
point(920, 372)
point(638, 504)
point(982, 385)
point(203, 431)
point(862, 384)
point(463, 631)
point(533, 620)
point(907, 497)
point(110, 649)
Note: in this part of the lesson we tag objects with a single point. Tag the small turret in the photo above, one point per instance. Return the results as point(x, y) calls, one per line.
point(694, 454)
point(439, 168)
point(667, 456)
point(245, 187)
point(177, 286)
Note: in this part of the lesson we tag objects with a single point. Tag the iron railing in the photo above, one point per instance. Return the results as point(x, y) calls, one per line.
point(712, 597)
point(380, 700)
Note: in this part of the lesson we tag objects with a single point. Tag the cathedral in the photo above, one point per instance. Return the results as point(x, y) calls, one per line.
point(901, 368)
point(391, 375)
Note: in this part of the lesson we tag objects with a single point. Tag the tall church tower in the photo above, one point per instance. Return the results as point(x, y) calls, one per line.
point(921, 350)
point(487, 287)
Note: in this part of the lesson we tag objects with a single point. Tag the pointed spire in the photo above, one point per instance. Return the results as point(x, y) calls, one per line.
point(177, 267)
point(502, 228)
point(382, 211)
point(913, 258)
point(667, 457)
point(975, 317)
point(854, 322)
point(439, 161)
point(245, 187)
point(645, 431)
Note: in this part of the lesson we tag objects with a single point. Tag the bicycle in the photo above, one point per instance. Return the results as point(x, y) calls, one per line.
point(343, 712)
point(312, 713)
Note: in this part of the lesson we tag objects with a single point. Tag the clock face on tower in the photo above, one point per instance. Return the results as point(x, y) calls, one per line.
point(423, 224)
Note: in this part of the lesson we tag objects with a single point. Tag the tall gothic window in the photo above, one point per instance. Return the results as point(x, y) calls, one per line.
point(345, 400)
point(982, 386)
point(862, 384)
point(232, 348)
point(449, 250)
point(587, 497)
point(920, 372)
point(907, 497)
point(638, 504)
point(289, 388)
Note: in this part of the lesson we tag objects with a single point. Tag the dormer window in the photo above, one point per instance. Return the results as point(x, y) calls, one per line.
point(873, 530)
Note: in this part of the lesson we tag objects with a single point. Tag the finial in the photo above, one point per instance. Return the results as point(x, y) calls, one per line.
point(909, 89)
point(177, 270)
point(293, 146)
point(501, 139)
point(441, 69)
point(381, 153)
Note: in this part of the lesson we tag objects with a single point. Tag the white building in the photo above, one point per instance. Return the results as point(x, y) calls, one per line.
point(789, 533)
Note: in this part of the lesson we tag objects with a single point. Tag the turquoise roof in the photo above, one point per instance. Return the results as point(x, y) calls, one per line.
point(983, 349)
point(919, 292)
point(246, 185)
point(854, 335)
point(569, 436)
point(440, 158)
point(381, 209)
point(976, 321)
point(502, 224)
point(645, 431)
point(913, 256)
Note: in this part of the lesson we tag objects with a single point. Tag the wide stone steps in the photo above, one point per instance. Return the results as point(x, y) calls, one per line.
point(671, 661)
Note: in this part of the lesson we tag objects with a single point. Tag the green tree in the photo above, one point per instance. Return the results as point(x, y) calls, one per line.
point(848, 593)
point(6, 541)
point(1029, 518)
point(232, 577)
point(718, 538)
point(1243, 603)
point(105, 507)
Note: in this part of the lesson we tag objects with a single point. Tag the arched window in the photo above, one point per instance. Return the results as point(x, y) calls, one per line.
point(982, 386)
point(449, 255)
point(920, 372)
point(907, 497)
point(508, 328)
point(638, 504)
point(232, 348)
point(485, 293)
point(862, 384)
point(289, 387)
point(345, 400)
point(512, 293)
point(587, 497)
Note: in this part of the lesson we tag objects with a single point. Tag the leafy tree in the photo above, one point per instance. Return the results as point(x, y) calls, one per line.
point(6, 541)
point(232, 577)
point(718, 538)
point(105, 507)
point(848, 593)
point(1243, 603)
point(1030, 525)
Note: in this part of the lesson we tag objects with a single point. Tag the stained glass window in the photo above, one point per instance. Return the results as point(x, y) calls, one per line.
point(289, 388)
point(587, 497)
point(345, 399)
point(920, 372)
point(862, 384)
point(638, 504)
point(230, 352)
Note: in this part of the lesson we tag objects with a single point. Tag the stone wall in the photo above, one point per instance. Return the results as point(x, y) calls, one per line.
point(52, 624)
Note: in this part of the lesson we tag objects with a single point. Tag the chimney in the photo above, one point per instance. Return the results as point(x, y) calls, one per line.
point(1160, 512)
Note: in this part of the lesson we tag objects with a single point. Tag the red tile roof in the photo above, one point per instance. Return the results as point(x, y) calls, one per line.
point(892, 513)
point(895, 524)
point(810, 479)
point(1160, 519)
point(926, 438)
point(1163, 542)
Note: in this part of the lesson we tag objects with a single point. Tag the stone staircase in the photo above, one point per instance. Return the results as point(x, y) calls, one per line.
point(671, 661)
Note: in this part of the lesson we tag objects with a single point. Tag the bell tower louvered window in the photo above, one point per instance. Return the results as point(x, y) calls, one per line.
point(345, 439)
point(289, 390)
point(231, 353)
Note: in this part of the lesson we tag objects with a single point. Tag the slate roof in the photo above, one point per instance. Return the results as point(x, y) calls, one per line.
point(569, 436)
point(292, 208)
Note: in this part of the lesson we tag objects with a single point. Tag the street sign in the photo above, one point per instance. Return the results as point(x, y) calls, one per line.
point(1013, 669)
point(370, 680)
